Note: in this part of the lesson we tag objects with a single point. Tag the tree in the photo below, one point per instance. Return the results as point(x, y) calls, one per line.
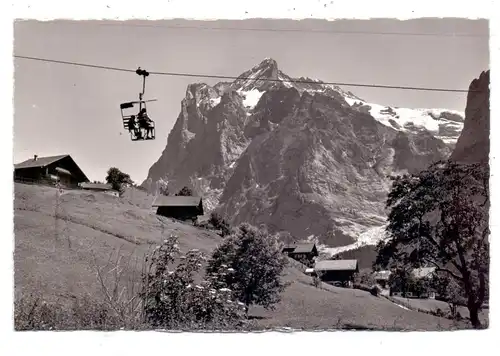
point(439, 218)
point(449, 290)
point(117, 179)
point(401, 280)
point(185, 192)
point(257, 262)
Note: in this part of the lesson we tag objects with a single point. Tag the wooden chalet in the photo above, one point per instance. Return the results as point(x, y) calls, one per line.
point(179, 207)
point(62, 169)
point(337, 271)
point(100, 187)
point(302, 252)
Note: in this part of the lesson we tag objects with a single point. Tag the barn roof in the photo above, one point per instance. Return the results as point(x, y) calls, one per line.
point(336, 265)
point(163, 200)
point(39, 162)
point(97, 186)
point(302, 247)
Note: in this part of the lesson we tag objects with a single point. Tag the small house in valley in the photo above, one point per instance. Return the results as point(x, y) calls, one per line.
point(337, 271)
point(302, 252)
point(414, 290)
point(179, 207)
point(99, 187)
point(382, 278)
point(53, 169)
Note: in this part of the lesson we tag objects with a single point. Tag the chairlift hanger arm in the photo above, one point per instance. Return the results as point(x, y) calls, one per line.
point(143, 73)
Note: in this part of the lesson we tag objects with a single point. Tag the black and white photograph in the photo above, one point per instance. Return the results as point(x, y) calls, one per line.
point(251, 175)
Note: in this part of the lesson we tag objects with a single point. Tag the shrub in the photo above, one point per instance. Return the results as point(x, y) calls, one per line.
point(185, 192)
point(375, 291)
point(257, 263)
point(220, 223)
point(173, 300)
point(117, 179)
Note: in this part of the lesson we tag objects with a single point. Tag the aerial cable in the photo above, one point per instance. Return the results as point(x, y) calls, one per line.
point(247, 78)
point(299, 30)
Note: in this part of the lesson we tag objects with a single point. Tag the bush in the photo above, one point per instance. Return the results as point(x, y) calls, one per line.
point(257, 263)
point(118, 179)
point(219, 223)
point(375, 291)
point(185, 192)
point(173, 300)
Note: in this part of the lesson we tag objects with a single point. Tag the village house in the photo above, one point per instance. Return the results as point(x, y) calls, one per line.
point(302, 252)
point(53, 169)
point(382, 279)
point(337, 271)
point(179, 207)
point(100, 187)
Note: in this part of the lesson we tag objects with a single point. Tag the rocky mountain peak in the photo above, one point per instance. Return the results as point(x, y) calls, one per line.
point(297, 154)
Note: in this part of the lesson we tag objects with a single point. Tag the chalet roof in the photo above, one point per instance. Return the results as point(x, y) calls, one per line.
point(163, 200)
point(423, 272)
point(336, 265)
point(96, 186)
point(39, 162)
point(302, 247)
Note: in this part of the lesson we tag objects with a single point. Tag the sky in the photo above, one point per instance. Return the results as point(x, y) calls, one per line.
point(61, 109)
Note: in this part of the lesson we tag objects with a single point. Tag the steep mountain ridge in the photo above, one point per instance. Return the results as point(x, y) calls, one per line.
point(298, 154)
point(472, 146)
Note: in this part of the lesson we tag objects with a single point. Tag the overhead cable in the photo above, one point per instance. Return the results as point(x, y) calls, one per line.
point(298, 81)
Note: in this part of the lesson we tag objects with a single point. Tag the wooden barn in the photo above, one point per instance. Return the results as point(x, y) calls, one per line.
point(179, 207)
point(340, 271)
point(62, 169)
point(302, 252)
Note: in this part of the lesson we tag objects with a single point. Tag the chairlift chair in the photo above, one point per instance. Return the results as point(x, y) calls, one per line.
point(129, 112)
point(140, 133)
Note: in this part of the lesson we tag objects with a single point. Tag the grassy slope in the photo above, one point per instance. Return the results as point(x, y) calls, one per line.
point(59, 265)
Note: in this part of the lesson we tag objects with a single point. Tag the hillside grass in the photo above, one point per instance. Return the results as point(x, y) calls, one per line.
point(58, 260)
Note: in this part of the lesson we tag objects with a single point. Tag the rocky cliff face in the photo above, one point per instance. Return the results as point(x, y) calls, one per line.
point(297, 154)
point(473, 145)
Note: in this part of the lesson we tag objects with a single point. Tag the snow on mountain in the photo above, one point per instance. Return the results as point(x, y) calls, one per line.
point(443, 124)
point(251, 97)
point(298, 154)
point(369, 237)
